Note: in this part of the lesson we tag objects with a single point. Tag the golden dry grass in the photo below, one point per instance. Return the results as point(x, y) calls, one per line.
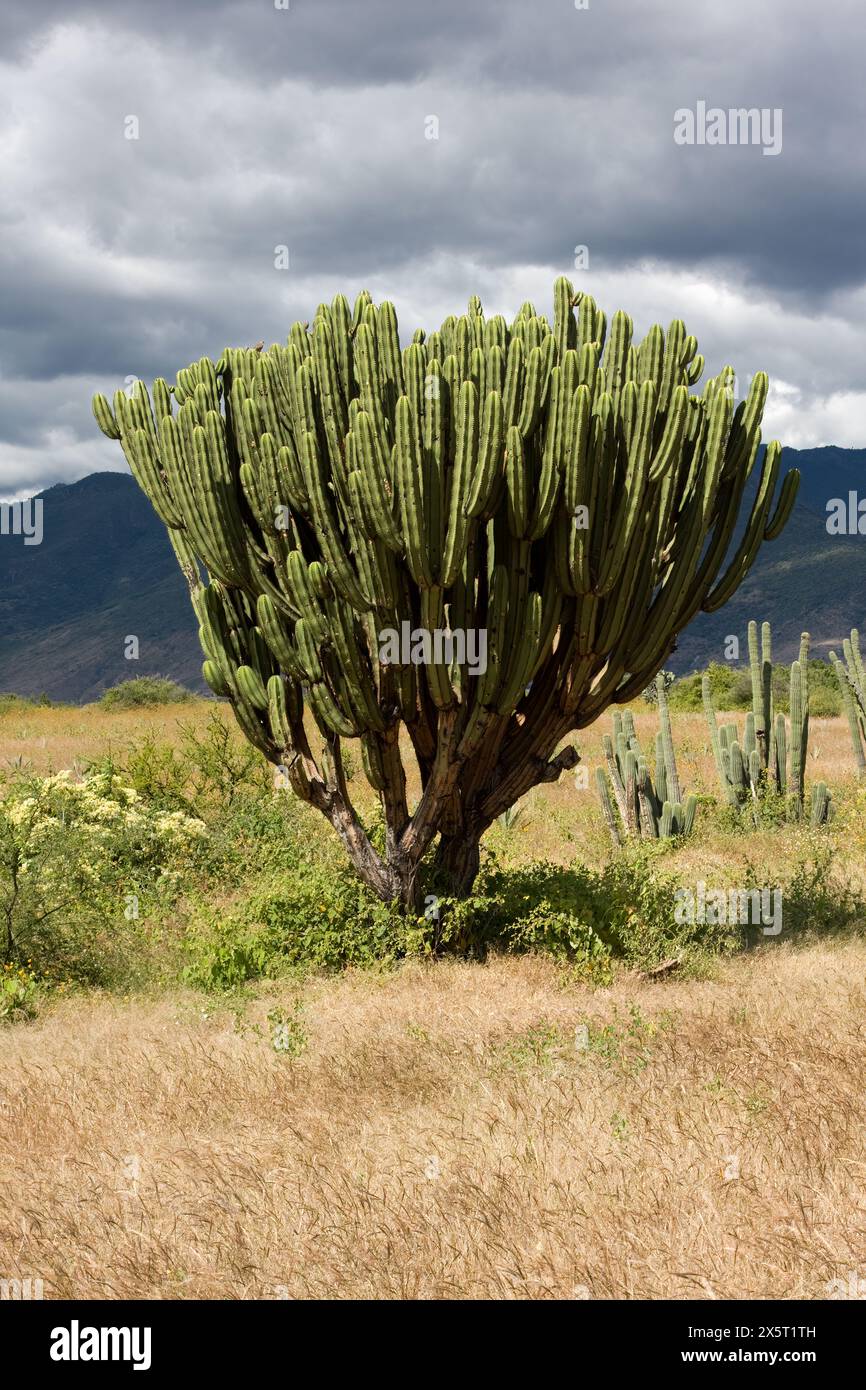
point(48, 739)
point(441, 1135)
point(53, 737)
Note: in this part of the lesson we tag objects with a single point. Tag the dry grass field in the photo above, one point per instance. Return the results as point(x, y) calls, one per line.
point(49, 738)
point(452, 1130)
point(445, 1132)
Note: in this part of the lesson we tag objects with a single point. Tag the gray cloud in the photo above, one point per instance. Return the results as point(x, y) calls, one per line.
point(261, 127)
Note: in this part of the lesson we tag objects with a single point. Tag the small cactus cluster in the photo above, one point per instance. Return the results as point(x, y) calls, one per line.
point(852, 684)
point(556, 486)
point(650, 807)
point(771, 753)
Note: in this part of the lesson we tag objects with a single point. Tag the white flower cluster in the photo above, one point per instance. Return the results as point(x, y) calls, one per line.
point(105, 810)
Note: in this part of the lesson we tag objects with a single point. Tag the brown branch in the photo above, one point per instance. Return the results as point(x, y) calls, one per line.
point(421, 829)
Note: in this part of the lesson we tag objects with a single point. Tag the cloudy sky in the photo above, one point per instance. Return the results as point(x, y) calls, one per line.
point(307, 127)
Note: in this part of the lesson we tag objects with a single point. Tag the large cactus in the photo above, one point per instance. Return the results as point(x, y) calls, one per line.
point(554, 488)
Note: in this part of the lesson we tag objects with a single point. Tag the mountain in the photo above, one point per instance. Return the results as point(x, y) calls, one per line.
point(806, 579)
point(105, 571)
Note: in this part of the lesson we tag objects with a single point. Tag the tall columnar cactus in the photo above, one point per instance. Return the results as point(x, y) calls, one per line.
point(798, 706)
point(852, 684)
point(761, 667)
point(651, 808)
point(745, 770)
point(556, 489)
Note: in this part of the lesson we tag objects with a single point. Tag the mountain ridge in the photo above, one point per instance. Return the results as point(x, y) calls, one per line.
point(106, 571)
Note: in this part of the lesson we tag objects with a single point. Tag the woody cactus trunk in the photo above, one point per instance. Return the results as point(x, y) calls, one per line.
point(552, 504)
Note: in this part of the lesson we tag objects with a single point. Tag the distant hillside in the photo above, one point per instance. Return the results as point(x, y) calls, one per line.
point(805, 579)
point(106, 570)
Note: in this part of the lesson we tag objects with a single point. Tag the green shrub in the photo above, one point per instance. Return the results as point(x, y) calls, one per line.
point(209, 771)
point(824, 703)
point(143, 691)
point(319, 917)
point(623, 911)
point(87, 872)
point(15, 704)
point(316, 916)
point(175, 825)
point(19, 994)
point(253, 827)
point(313, 917)
point(818, 899)
point(732, 689)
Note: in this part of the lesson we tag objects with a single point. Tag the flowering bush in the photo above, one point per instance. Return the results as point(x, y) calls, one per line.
point(80, 857)
point(113, 818)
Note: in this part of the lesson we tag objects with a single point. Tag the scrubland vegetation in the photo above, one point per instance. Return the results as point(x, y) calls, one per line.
point(231, 1072)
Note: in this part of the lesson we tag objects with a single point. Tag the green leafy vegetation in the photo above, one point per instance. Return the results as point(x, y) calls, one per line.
point(731, 687)
point(143, 691)
point(88, 871)
point(12, 704)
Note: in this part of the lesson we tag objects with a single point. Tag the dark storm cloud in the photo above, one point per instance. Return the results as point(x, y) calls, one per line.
point(262, 127)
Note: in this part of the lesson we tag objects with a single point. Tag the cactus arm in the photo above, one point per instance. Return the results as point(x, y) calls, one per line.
point(850, 708)
point(607, 807)
point(797, 718)
point(672, 780)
